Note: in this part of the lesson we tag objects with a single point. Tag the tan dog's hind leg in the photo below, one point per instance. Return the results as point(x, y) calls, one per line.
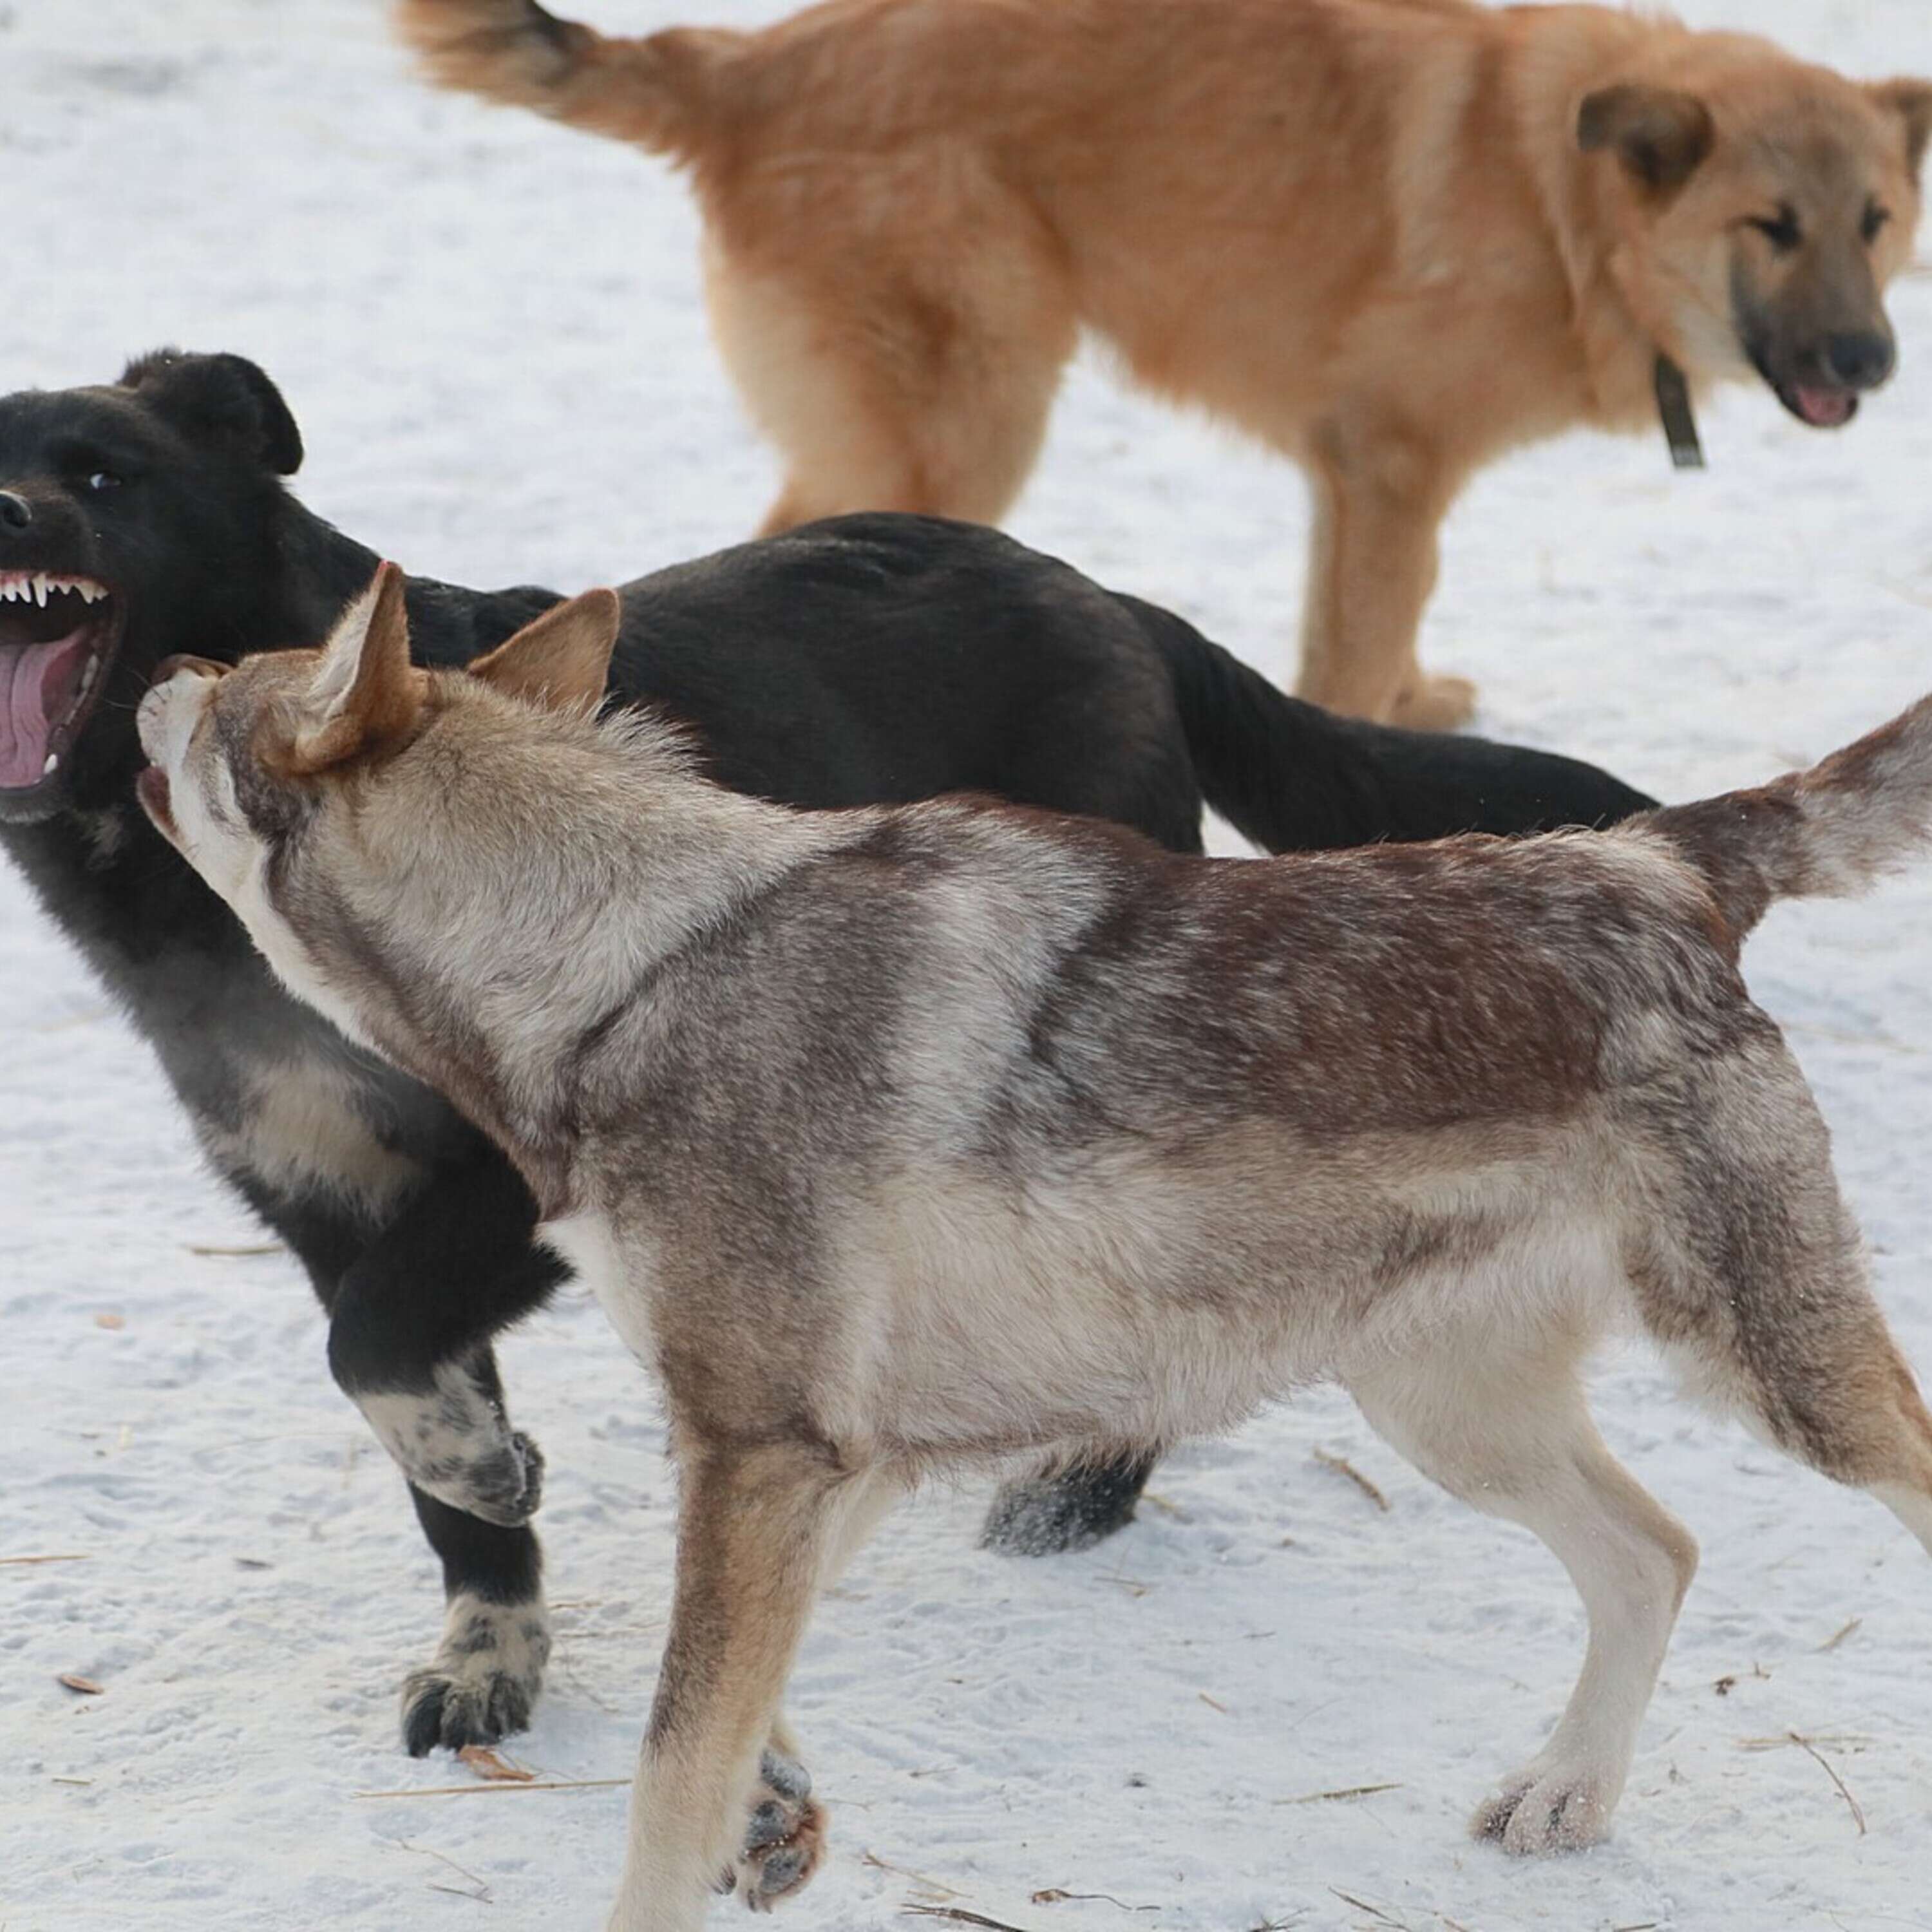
point(893, 379)
point(757, 1530)
point(1511, 1435)
point(1378, 500)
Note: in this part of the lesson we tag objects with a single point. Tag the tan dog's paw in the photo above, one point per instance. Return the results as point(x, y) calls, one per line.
point(785, 1836)
point(1557, 1808)
point(1436, 704)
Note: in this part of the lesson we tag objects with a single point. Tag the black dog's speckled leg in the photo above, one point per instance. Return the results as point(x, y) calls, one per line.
point(413, 1308)
point(1047, 1516)
point(483, 1682)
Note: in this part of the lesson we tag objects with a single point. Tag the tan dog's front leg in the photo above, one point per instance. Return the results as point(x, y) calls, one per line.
point(754, 1530)
point(1379, 499)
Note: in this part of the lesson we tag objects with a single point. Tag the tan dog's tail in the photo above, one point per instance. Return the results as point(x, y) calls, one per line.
point(1824, 833)
point(655, 93)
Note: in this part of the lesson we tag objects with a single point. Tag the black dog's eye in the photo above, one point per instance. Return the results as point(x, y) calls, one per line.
point(1876, 217)
point(1781, 230)
point(104, 479)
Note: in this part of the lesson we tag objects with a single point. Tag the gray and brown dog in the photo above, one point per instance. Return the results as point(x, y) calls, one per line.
point(897, 1137)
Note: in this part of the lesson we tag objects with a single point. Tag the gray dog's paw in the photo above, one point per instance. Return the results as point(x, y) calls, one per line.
point(1547, 1808)
point(785, 1836)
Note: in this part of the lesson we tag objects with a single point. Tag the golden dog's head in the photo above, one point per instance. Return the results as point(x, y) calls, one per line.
point(1760, 207)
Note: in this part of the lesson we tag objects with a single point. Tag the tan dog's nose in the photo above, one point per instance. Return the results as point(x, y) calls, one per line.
point(1861, 359)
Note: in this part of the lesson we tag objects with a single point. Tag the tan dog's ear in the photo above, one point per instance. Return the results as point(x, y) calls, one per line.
point(366, 693)
point(1661, 136)
point(1911, 100)
point(559, 661)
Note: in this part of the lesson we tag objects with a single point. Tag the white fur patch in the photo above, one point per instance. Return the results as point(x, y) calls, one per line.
point(302, 1130)
point(454, 1441)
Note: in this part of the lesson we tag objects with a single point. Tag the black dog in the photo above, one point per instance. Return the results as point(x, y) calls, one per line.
point(868, 659)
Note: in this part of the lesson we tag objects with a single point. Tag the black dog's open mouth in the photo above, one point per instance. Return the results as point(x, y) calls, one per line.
point(57, 637)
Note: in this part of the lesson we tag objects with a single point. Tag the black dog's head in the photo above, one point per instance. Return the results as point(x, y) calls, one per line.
point(125, 511)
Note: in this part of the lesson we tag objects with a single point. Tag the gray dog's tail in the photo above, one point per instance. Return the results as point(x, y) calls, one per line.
point(1825, 833)
point(655, 93)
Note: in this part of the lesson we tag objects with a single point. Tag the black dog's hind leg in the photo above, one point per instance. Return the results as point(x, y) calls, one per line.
point(1065, 1509)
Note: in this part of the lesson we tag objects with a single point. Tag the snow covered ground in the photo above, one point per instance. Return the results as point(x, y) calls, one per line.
point(490, 332)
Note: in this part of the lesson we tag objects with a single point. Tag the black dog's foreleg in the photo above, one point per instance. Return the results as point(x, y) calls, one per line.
point(484, 1678)
point(1060, 1510)
point(409, 1342)
point(409, 1333)
point(483, 1682)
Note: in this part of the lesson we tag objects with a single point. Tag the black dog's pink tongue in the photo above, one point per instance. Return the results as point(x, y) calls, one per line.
point(37, 683)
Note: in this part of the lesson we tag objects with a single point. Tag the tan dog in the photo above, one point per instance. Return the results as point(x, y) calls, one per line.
point(1392, 238)
point(896, 1138)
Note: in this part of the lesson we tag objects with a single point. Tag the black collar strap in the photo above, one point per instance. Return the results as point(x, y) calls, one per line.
point(1673, 406)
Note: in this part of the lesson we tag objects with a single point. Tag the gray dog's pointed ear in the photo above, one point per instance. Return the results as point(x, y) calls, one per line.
point(559, 661)
point(1911, 100)
point(1661, 136)
point(365, 695)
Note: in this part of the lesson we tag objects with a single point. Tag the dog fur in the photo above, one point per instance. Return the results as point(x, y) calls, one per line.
point(896, 1138)
point(1393, 239)
point(869, 660)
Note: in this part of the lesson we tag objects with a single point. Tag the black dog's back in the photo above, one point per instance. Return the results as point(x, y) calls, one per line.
point(879, 659)
point(1013, 674)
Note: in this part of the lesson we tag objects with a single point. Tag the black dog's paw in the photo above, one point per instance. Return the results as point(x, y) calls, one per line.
point(506, 1487)
point(1048, 1515)
point(484, 1680)
point(454, 1441)
point(784, 1835)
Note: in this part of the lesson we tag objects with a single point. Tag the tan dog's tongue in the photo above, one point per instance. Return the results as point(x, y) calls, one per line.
point(37, 683)
point(1824, 408)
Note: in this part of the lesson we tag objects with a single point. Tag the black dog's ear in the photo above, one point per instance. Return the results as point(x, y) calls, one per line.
point(224, 400)
point(1661, 136)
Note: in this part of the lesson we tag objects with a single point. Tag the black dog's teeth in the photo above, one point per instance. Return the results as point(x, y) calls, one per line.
point(24, 586)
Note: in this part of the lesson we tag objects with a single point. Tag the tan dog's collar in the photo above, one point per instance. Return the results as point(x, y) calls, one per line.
point(1673, 408)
